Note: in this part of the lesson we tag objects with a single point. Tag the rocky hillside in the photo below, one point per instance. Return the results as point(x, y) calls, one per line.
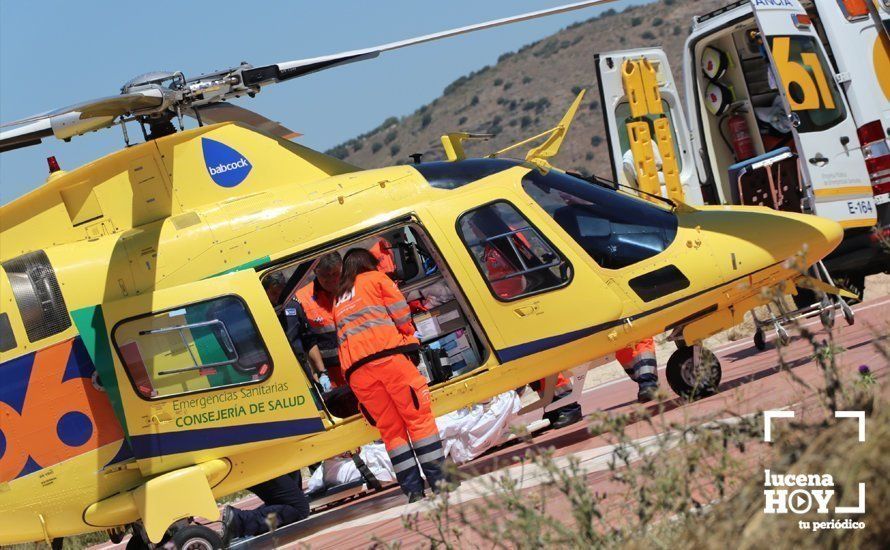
point(527, 92)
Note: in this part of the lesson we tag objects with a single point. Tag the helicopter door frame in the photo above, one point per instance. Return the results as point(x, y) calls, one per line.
point(224, 396)
point(522, 327)
point(447, 271)
point(612, 95)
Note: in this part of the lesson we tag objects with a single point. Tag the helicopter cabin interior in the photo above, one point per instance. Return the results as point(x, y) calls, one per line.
point(749, 146)
point(451, 338)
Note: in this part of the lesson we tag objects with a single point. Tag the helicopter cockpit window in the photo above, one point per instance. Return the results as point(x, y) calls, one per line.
point(513, 257)
point(451, 175)
point(198, 347)
point(615, 229)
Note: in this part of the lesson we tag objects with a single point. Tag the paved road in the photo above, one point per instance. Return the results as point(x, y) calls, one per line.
point(752, 381)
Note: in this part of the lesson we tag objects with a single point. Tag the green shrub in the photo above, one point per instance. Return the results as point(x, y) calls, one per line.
point(498, 81)
point(474, 101)
point(636, 21)
point(376, 146)
point(526, 79)
point(508, 85)
point(390, 137)
point(462, 120)
point(596, 141)
point(394, 149)
point(647, 35)
point(425, 120)
point(657, 22)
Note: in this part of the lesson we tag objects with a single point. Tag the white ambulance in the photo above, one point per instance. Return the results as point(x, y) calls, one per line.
point(788, 106)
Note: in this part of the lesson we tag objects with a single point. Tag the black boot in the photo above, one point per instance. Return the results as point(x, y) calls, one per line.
point(566, 415)
point(648, 387)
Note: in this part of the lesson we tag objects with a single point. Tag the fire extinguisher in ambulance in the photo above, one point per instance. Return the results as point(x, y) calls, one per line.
point(740, 137)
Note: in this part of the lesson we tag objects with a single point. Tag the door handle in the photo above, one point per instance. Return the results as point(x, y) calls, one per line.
point(818, 160)
point(526, 311)
point(161, 418)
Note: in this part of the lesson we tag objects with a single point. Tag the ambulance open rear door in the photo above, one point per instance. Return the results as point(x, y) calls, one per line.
point(622, 118)
point(836, 183)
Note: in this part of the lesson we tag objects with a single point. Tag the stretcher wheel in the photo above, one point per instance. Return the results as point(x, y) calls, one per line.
point(196, 537)
point(759, 339)
point(848, 313)
point(690, 380)
point(827, 313)
point(782, 335)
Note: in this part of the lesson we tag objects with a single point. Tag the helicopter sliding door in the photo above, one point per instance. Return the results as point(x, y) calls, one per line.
point(533, 291)
point(204, 368)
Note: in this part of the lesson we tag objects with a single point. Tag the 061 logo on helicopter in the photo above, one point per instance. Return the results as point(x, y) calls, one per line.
point(226, 166)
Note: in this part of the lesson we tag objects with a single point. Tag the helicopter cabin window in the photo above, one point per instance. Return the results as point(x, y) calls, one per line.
point(450, 345)
point(615, 229)
point(37, 295)
point(512, 256)
point(199, 347)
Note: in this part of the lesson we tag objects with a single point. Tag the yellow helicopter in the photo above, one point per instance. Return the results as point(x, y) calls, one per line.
point(144, 370)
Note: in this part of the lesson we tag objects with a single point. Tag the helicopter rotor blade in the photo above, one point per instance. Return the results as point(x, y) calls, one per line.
point(77, 119)
point(279, 72)
point(226, 112)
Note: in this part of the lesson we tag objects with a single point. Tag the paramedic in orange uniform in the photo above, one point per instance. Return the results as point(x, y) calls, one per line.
point(638, 361)
point(376, 337)
point(317, 301)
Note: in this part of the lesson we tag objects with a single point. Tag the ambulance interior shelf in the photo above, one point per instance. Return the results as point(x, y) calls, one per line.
point(740, 98)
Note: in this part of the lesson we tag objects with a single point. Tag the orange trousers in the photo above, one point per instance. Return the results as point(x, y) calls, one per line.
point(394, 397)
point(628, 356)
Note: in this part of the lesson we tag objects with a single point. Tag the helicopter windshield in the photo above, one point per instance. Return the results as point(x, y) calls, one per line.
point(451, 175)
point(615, 229)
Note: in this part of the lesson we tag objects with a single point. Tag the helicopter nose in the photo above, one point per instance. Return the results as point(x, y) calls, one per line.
point(826, 237)
point(756, 237)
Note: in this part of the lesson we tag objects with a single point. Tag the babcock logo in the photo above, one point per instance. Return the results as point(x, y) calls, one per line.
point(226, 166)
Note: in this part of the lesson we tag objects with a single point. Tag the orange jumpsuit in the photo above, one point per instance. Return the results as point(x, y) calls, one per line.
point(381, 252)
point(374, 332)
point(500, 269)
point(318, 307)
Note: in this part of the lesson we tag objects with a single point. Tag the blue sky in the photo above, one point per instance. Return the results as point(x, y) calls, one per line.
point(55, 53)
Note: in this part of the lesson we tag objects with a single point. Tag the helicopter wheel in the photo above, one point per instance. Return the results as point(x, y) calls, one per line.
point(759, 339)
point(196, 537)
point(690, 380)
